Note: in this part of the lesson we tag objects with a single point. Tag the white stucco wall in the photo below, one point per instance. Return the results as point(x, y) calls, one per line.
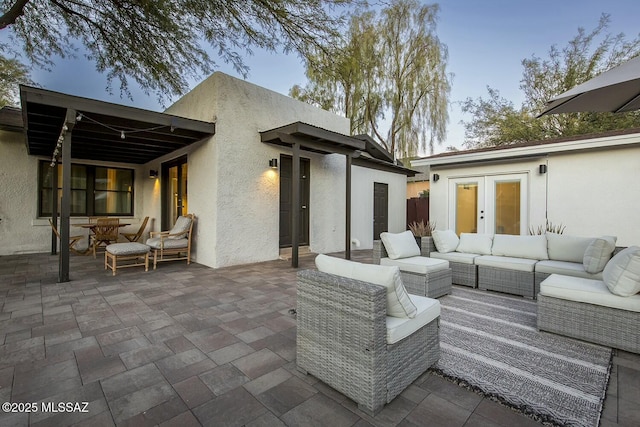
point(439, 194)
point(597, 193)
point(362, 203)
point(231, 187)
point(21, 230)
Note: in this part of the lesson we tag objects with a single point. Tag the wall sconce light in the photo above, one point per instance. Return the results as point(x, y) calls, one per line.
point(153, 174)
point(436, 177)
point(273, 163)
point(542, 169)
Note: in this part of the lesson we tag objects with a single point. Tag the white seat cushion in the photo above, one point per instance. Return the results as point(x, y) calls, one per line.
point(400, 245)
point(445, 240)
point(531, 247)
point(586, 290)
point(519, 264)
point(156, 243)
point(180, 228)
point(398, 302)
point(417, 264)
point(427, 309)
point(472, 243)
point(455, 257)
point(567, 268)
point(622, 273)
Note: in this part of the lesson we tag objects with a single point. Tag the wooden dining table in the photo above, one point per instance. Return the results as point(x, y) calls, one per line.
point(92, 225)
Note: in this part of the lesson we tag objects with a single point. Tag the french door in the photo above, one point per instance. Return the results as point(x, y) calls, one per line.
point(493, 204)
point(174, 194)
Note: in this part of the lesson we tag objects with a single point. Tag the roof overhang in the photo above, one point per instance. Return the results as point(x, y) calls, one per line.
point(363, 149)
point(98, 134)
point(532, 150)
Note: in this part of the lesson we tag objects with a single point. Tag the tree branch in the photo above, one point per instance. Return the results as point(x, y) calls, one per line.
point(12, 14)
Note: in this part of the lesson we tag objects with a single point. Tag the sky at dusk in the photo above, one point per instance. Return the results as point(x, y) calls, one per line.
point(487, 40)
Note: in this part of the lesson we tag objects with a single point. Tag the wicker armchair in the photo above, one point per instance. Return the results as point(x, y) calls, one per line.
point(342, 340)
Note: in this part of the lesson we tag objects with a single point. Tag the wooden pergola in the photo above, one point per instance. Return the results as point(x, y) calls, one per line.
point(358, 150)
point(66, 126)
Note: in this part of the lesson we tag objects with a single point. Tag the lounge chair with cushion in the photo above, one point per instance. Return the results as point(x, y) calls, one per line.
point(361, 333)
point(174, 244)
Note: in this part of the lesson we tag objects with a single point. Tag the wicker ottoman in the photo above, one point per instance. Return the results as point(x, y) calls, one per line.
point(423, 276)
point(136, 252)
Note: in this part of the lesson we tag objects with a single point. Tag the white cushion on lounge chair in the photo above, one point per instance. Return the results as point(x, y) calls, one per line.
point(445, 240)
point(400, 245)
point(622, 273)
point(455, 257)
point(564, 267)
point(398, 302)
point(156, 243)
point(567, 248)
point(417, 264)
point(127, 248)
point(586, 290)
point(427, 309)
point(531, 247)
point(598, 253)
point(519, 264)
point(473, 243)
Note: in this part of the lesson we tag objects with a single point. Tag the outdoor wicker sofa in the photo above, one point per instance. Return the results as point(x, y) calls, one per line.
point(605, 312)
point(517, 264)
point(345, 338)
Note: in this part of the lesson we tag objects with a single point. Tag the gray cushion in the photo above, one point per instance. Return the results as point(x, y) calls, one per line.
point(445, 240)
point(180, 228)
point(455, 257)
point(530, 247)
point(156, 243)
point(567, 248)
point(508, 263)
point(567, 268)
point(598, 254)
point(127, 248)
point(622, 273)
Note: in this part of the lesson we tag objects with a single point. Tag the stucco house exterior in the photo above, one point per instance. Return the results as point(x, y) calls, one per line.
point(241, 202)
point(588, 184)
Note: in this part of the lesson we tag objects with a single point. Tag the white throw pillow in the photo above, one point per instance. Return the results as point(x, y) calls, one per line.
point(567, 248)
point(398, 302)
point(622, 273)
point(400, 245)
point(530, 247)
point(473, 243)
point(598, 254)
point(445, 240)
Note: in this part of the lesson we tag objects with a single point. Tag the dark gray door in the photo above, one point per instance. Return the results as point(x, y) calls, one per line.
point(286, 169)
point(380, 209)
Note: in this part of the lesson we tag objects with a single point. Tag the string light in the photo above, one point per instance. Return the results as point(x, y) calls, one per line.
point(123, 133)
point(56, 151)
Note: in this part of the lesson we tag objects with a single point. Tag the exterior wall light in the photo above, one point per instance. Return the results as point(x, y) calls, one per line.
point(273, 163)
point(436, 177)
point(153, 174)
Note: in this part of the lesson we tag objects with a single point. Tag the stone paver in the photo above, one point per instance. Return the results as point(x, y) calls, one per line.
point(189, 346)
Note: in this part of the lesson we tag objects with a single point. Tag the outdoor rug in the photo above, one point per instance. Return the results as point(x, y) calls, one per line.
point(489, 342)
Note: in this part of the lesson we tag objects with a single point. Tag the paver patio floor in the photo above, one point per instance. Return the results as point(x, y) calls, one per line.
point(189, 345)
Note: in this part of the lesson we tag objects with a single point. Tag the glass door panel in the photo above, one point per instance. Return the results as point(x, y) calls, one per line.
point(466, 205)
point(506, 194)
point(174, 194)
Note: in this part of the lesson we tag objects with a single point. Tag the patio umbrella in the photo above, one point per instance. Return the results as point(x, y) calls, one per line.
point(616, 90)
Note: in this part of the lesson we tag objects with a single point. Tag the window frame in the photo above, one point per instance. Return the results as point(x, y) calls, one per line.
point(90, 190)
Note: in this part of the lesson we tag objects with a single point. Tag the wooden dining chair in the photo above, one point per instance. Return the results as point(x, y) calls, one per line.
point(134, 237)
point(104, 233)
point(73, 240)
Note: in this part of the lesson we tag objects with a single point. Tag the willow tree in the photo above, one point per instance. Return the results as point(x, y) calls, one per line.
point(496, 121)
point(12, 73)
point(387, 75)
point(163, 44)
